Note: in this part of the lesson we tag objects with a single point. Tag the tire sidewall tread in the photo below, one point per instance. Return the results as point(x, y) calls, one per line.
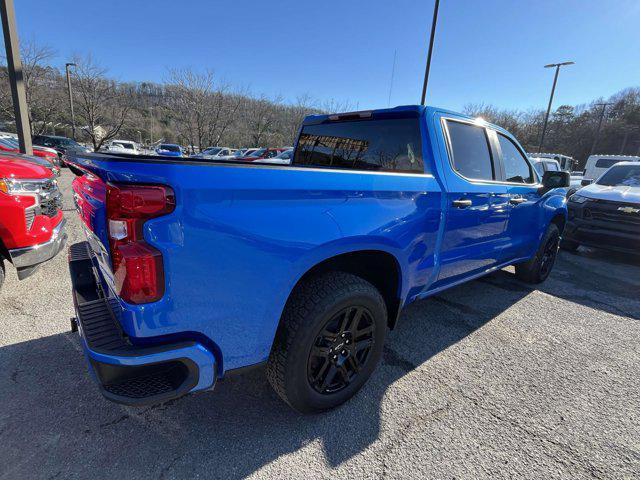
point(529, 271)
point(313, 303)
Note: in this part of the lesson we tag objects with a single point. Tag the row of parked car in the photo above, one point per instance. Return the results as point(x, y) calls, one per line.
point(280, 155)
point(32, 224)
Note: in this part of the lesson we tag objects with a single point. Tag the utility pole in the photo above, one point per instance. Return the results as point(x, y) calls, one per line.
point(434, 22)
point(393, 71)
point(73, 117)
point(16, 77)
point(597, 137)
point(553, 91)
point(627, 131)
point(151, 129)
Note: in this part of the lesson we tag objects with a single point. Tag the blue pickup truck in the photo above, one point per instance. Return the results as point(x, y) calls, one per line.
point(193, 270)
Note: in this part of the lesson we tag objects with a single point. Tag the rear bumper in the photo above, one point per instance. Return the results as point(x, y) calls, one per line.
point(128, 373)
point(27, 259)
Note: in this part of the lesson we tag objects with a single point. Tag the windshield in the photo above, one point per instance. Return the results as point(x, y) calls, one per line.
point(212, 151)
point(123, 145)
point(9, 142)
point(239, 153)
point(626, 175)
point(169, 148)
point(67, 142)
point(257, 153)
point(286, 154)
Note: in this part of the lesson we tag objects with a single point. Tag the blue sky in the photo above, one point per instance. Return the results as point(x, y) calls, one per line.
point(487, 51)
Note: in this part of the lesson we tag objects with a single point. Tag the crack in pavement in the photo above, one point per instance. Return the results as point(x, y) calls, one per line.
point(396, 440)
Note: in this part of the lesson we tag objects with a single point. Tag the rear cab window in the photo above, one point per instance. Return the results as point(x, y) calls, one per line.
point(386, 145)
point(606, 162)
point(552, 167)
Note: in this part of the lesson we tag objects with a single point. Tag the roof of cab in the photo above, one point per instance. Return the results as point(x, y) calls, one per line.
point(403, 111)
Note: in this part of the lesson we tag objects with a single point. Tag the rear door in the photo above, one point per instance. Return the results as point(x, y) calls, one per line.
point(525, 210)
point(476, 202)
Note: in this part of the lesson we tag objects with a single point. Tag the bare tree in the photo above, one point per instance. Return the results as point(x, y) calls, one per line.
point(102, 106)
point(294, 115)
point(202, 109)
point(188, 93)
point(43, 87)
point(260, 116)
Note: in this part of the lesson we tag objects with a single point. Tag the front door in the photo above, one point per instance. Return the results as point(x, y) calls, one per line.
point(477, 204)
point(524, 229)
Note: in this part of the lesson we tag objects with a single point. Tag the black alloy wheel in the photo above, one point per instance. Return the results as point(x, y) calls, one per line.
point(549, 256)
point(341, 350)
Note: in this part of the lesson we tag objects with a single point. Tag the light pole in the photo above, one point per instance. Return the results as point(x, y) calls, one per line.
point(553, 90)
point(73, 117)
point(436, 6)
point(604, 106)
point(139, 137)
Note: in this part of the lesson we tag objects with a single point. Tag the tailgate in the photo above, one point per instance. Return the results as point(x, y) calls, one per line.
point(89, 195)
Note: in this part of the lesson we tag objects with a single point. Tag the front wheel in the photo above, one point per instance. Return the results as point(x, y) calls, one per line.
point(539, 267)
point(569, 245)
point(329, 342)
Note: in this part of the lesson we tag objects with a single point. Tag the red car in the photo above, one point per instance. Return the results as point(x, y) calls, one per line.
point(32, 223)
point(8, 144)
point(262, 153)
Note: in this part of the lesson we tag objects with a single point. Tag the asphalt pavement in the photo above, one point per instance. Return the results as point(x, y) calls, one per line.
point(492, 379)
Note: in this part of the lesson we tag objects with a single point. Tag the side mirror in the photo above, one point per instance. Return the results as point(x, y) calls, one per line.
point(586, 181)
point(555, 179)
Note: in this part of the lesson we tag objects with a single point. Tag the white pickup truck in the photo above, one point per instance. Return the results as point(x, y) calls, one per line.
point(598, 164)
point(606, 214)
point(123, 146)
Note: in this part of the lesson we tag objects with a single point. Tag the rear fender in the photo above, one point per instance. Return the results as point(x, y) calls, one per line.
point(349, 245)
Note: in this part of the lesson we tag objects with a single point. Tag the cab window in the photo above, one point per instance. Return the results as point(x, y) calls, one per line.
point(470, 152)
point(551, 167)
point(516, 167)
point(539, 166)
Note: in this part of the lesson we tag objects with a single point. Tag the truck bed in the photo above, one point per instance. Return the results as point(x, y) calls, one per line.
point(252, 231)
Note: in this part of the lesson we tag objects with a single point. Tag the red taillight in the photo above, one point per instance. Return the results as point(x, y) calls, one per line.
point(137, 266)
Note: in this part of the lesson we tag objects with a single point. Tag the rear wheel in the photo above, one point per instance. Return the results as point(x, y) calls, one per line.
point(539, 267)
point(329, 342)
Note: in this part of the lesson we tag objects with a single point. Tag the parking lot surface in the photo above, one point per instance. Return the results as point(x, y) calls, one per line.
point(493, 379)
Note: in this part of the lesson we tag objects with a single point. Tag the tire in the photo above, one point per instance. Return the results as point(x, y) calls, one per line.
point(569, 245)
point(539, 267)
point(1, 272)
point(333, 325)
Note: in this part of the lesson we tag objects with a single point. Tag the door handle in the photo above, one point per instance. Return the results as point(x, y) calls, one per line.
point(517, 200)
point(461, 203)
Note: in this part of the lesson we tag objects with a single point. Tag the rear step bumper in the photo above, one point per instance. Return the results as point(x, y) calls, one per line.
point(126, 373)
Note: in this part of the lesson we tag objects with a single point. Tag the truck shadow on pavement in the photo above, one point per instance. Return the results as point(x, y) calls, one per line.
point(54, 423)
